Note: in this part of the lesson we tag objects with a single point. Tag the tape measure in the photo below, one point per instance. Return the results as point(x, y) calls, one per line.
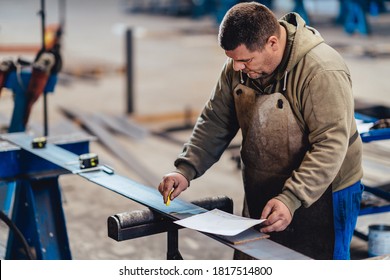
point(39, 143)
point(88, 160)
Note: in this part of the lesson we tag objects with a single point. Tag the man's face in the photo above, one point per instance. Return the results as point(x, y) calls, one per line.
point(257, 64)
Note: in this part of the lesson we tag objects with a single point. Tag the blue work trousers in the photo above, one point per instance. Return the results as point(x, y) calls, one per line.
point(346, 207)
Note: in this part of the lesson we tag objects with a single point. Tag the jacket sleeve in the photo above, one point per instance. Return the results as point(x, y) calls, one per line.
point(327, 108)
point(215, 128)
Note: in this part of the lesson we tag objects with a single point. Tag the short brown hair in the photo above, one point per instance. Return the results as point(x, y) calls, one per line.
point(250, 24)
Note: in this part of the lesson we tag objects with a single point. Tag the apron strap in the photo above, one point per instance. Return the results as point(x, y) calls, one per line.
point(353, 138)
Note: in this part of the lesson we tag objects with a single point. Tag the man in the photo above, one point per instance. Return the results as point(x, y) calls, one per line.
point(290, 94)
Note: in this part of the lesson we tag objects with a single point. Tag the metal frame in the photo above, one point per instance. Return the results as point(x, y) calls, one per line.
point(34, 204)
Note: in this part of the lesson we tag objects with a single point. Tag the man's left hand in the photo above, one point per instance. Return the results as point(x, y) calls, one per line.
point(277, 214)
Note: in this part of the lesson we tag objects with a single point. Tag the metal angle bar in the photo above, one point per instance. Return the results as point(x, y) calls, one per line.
point(122, 126)
point(150, 197)
point(132, 125)
point(114, 146)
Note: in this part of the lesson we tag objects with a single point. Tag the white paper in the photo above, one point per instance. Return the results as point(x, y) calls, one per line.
point(363, 127)
point(219, 222)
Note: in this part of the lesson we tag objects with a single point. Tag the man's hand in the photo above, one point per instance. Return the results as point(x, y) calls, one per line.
point(172, 181)
point(277, 214)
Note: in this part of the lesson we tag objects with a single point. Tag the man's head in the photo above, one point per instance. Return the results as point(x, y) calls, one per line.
point(250, 24)
point(252, 37)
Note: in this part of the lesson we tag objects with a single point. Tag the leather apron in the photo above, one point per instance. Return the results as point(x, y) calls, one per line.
point(273, 146)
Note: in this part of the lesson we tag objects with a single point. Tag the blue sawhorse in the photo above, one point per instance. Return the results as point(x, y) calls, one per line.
point(36, 209)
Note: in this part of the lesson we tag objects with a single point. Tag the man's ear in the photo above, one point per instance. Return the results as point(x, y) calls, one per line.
point(273, 42)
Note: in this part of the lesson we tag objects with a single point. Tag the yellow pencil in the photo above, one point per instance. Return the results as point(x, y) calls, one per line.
point(169, 198)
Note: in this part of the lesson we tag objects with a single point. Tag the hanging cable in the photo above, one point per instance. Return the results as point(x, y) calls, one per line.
point(17, 233)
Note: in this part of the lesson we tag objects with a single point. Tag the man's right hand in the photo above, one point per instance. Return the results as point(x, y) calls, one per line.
point(172, 181)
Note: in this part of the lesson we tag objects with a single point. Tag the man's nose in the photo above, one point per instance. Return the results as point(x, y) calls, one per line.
point(237, 66)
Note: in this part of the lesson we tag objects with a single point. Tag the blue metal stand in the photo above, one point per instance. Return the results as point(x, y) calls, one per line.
point(373, 135)
point(38, 214)
point(18, 83)
point(376, 209)
point(37, 205)
point(7, 191)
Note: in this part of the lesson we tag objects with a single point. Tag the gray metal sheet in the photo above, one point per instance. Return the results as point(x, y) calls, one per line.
point(144, 195)
point(150, 197)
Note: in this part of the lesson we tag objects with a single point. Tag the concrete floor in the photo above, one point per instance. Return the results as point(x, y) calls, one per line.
point(170, 54)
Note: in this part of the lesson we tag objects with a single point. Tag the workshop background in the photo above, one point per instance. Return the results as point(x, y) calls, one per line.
point(175, 59)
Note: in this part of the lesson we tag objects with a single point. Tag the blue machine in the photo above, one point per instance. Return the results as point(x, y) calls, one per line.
point(18, 82)
point(29, 191)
